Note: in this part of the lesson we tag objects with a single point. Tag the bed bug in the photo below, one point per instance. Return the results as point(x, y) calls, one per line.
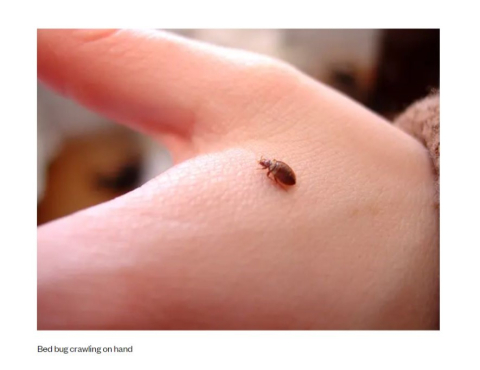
point(281, 171)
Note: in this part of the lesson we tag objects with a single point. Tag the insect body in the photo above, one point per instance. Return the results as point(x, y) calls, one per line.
point(281, 171)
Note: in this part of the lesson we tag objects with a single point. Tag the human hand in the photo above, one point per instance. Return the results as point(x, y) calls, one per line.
point(212, 243)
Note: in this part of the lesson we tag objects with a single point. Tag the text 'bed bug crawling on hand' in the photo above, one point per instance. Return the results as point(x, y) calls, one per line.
point(281, 171)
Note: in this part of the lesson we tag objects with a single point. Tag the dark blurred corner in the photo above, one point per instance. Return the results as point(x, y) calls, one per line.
point(408, 69)
point(90, 169)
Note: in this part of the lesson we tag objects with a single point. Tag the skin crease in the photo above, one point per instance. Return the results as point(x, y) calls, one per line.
point(214, 244)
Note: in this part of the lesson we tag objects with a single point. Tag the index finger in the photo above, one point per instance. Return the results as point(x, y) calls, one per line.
point(149, 80)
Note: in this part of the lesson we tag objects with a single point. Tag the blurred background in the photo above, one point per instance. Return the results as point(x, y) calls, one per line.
point(84, 159)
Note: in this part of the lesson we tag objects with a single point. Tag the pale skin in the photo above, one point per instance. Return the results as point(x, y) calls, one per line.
point(213, 243)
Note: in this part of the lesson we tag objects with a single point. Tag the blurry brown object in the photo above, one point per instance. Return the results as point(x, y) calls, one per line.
point(422, 121)
point(89, 170)
point(352, 80)
point(408, 69)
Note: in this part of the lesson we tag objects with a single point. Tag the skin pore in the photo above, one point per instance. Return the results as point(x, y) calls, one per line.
point(212, 243)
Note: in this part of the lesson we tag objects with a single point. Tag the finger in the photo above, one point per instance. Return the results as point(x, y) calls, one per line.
point(150, 80)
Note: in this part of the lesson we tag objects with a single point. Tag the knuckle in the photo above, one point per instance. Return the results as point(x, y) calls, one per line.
point(268, 78)
point(269, 72)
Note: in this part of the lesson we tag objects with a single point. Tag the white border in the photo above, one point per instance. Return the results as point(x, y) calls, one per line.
point(454, 346)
